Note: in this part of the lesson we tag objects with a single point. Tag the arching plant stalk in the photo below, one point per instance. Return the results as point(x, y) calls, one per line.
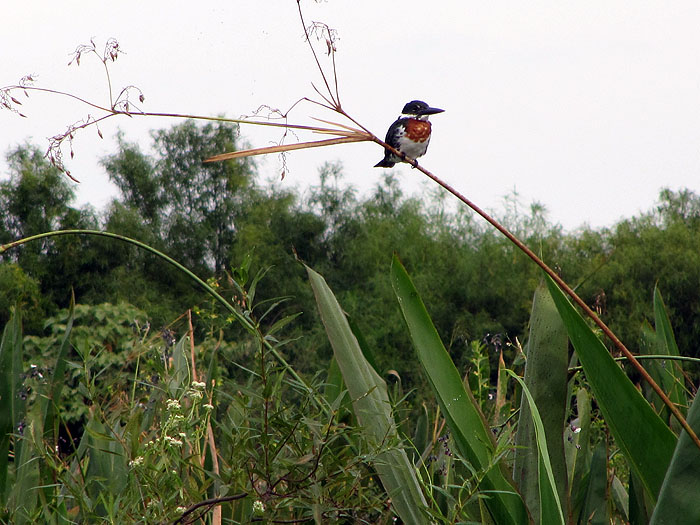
point(245, 322)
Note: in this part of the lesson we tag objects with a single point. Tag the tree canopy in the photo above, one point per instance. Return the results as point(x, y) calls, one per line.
point(211, 217)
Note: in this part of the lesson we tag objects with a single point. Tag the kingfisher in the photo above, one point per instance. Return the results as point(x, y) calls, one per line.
point(410, 134)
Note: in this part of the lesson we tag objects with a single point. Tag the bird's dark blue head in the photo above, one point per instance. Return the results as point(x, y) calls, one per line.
point(419, 108)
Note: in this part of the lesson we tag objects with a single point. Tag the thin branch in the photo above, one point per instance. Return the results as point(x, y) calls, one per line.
point(285, 147)
point(651, 357)
point(336, 102)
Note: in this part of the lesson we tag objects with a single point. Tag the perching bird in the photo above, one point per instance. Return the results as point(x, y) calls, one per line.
point(410, 134)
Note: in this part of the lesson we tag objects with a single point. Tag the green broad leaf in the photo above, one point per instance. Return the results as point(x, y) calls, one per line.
point(549, 511)
point(10, 382)
point(372, 408)
point(465, 420)
point(640, 433)
point(546, 377)
point(678, 499)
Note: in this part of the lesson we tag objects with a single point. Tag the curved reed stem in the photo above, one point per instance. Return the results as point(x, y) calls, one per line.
point(245, 322)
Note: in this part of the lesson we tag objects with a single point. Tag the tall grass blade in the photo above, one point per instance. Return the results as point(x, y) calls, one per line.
point(640, 433)
point(58, 380)
point(372, 408)
point(465, 420)
point(671, 377)
point(180, 374)
point(549, 508)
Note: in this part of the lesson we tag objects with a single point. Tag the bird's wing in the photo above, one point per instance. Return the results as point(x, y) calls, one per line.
point(394, 131)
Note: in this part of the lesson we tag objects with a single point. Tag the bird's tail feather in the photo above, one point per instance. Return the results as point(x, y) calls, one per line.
point(384, 163)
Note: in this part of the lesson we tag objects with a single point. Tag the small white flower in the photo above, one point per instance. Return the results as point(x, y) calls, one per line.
point(180, 510)
point(198, 385)
point(208, 406)
point(172, 441)
point(136, 461)
point(173, 404)
point(258, 507)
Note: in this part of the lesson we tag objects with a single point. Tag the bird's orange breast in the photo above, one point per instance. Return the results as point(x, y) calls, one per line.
point(417, 130)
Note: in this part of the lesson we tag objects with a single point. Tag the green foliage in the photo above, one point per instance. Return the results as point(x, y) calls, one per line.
point(16, 287)
point(35, 198)
point(460, 410)
point(209, 217)
point(372, 408)
point(103, 336)
point(632, 421)
point(182, 199)
point(655, 249)
point(155, 441)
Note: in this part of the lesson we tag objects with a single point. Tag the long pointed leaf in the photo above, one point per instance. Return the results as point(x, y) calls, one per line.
point(549, 511)
point(371, 405)
point(463, 417)
point(546, 380)
point(678, 500)
point(10, 347)
point(640, 433)
point(671, 377)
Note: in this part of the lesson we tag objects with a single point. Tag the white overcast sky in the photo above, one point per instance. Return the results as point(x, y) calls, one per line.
point(587, 107)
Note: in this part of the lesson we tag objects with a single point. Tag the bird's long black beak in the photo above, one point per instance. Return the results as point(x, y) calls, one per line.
point(430, 111)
